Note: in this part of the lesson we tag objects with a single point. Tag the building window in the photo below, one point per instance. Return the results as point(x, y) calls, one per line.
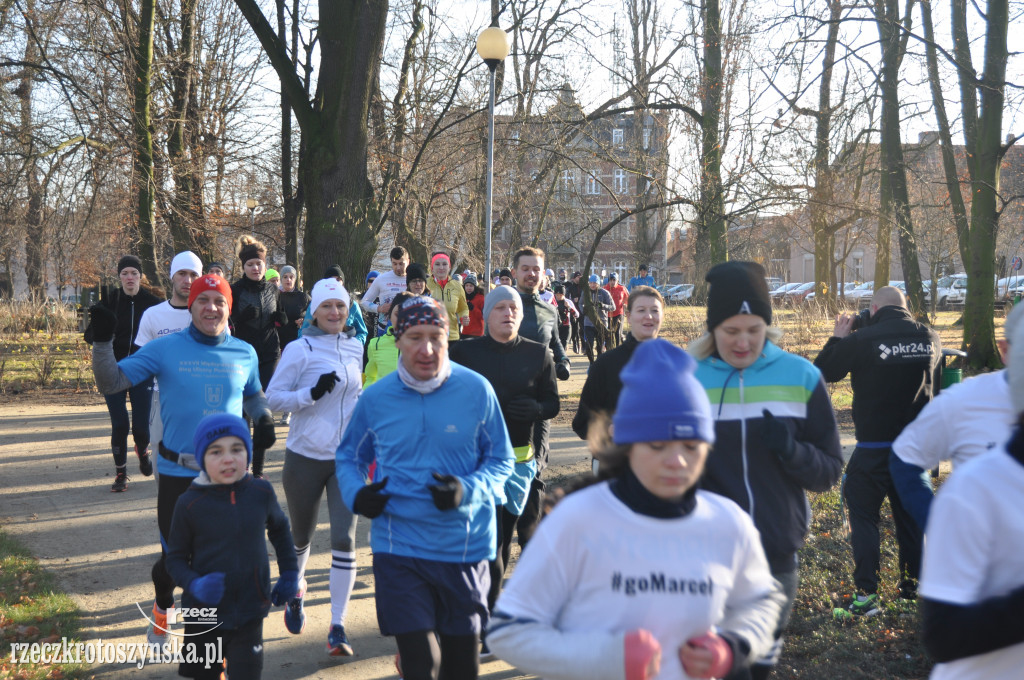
point(568, 182)
point(857, 268)
point(808, 266)
point(620, 181)
point(593, 186)
point(595, 267)
point(647, 138)
point(617, 137)
point(620, 269)
point(514, 136)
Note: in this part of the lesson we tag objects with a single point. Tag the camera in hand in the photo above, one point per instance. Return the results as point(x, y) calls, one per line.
point(861, 319)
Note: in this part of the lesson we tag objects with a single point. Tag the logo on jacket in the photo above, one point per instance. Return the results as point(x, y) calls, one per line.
point(680, 431)
point(214, 395)
point(906, 350)
point(451, 429)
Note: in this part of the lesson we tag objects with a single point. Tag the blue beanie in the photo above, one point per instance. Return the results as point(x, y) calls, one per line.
point(372, 275)
point(661, 400)
point(593, 279)
point(217, 425)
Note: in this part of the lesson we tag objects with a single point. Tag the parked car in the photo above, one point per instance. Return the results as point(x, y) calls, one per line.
point(680, 295)
point(847, 287)
point(795, 296)
point(776, 295)
point(773, 282)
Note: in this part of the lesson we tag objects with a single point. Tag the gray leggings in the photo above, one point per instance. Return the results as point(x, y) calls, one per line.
point(304, 480)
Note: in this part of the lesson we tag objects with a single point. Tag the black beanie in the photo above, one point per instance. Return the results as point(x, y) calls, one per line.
point(129, 261)
point(737, 288)
point(334, 271)
point(413, 272)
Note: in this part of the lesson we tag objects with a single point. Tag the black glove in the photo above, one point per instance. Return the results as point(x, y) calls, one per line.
point(324, 385)
point(369, 501)
point(562, 370)
point(279, 318)
point(523, 409)
point(448, 494)
point(263, 436)
point(103, 322)
point(777, 437)
point(248, 313)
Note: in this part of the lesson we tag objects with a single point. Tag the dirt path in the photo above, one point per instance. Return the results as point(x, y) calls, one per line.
point(56, 471)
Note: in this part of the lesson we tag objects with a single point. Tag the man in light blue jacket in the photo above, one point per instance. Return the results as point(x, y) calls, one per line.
point(442, 453)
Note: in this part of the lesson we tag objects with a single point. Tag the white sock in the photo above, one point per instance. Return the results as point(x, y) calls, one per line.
point(343, 579)
point(302, 554)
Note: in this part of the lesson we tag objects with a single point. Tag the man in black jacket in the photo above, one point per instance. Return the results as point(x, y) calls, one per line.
point(128, 303)
point(522, 373)
point(540, 324)
point(895, 366)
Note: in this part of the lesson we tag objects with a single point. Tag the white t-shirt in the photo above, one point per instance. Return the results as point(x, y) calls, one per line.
point(385, 287)
point(596, 569)
point(160, 320)
point(964, 421)
point(973, 552)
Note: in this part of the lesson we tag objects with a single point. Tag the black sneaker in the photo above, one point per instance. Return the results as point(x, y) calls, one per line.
point(145, 462)
point(120, 483)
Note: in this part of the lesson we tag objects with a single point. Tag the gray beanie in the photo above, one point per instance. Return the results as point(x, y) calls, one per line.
point(288, 269)
point(500, 294)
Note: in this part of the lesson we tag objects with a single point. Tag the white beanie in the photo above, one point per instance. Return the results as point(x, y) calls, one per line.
point(1013, 331)
point(328, 289)
point(186, 260)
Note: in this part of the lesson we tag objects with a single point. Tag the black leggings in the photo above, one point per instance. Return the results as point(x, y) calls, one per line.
point(425, 657)
point(168, 489)
point(241, 647)
point(266, 373)
point(505, 523)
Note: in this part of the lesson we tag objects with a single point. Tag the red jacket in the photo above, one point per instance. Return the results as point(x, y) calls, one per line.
point(475, 327)
point(619, 296)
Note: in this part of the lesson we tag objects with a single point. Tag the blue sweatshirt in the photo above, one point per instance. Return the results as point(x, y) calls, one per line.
point(457, 429)
point(198, 375)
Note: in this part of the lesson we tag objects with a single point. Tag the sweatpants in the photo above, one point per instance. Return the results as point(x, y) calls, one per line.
point(592, 335)
point(867, 484)
point(563, 335)
point(141, 397)
point(304, 480)
point(241, 647)
point(789, 578)
point(168, 490)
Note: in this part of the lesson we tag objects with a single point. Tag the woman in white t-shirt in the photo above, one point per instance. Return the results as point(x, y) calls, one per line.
point(643, 576)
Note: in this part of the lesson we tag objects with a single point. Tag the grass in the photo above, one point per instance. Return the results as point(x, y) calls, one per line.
point(32, 609)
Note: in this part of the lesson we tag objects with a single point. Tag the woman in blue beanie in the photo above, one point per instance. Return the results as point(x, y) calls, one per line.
point(642, 576)
point(774, 424)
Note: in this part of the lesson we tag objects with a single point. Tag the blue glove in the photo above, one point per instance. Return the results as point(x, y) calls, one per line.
point(208, 589)
point(286, 588)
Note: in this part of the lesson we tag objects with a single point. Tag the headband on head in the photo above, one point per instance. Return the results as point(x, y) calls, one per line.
point(420, 311)
point(439, 256)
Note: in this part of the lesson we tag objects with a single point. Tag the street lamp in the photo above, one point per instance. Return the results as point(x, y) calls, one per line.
point(251, 204)
point(492, 46)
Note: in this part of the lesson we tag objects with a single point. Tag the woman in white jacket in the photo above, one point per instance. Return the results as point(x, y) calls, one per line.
point(318, 380)
point(643, 576)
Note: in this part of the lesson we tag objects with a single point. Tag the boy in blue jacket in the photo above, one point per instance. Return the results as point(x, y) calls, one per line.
point(217, 552)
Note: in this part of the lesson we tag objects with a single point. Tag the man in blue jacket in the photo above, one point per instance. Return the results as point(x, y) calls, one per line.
point(442, 452)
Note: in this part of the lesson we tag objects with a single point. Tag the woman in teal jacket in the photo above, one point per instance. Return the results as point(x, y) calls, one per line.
point(775, 430)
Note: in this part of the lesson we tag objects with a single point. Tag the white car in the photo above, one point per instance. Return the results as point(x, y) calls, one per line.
point(681, 294)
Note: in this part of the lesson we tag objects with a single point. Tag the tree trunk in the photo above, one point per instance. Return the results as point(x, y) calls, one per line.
point(712, 243)
point(35, 261)
point(981, 347)
point(144, 143)
point(291, 198)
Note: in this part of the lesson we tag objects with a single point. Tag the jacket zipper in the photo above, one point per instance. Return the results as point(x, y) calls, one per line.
point(743, 449)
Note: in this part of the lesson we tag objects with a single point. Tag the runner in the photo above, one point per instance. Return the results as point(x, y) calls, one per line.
point(567, 313)
point(382, 353)
point(318, 381)
point(356, 324)
point(128, 303)
point(601, 390)
point(256, 316)
point(774, 425)
point(416, 279)
point(643, 576)
point(201, 370)
point(169, 317)
point(522, 374)
point(619, 295)
point(294, 302)
point(377, 298)
point(475, 300)
point(434, 524)
point(449, 293)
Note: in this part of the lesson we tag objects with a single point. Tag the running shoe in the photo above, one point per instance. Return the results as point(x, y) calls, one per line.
point(286, 418)
point(398, 665)
point(294, 616)
point(120, 482)
point(145, 462)
point(861, 606)
point(337, 642)
point(485, 653)
point(157, 632)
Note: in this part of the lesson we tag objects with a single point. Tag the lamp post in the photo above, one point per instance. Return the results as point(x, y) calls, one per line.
point(251, 204)
point(492, 46)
